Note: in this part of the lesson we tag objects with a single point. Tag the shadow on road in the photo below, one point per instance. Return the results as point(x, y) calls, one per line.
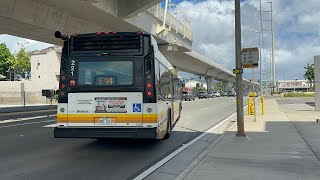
point(311, 103)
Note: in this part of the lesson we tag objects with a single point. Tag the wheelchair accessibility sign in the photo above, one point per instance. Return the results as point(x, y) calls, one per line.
point(136, 107)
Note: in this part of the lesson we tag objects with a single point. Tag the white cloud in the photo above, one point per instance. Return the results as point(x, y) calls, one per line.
point(296, 31)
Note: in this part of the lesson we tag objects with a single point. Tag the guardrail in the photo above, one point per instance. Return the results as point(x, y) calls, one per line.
point(173, 23)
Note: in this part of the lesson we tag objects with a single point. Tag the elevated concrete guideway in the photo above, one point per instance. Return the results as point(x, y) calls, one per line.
point(195, 63)
point(39, 19)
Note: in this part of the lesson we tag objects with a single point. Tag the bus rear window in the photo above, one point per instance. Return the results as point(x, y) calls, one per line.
point(105, 73)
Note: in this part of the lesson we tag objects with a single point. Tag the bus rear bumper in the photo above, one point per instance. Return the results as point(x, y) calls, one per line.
point(105, 132)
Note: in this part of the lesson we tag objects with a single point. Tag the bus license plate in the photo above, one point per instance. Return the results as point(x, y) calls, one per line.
point(106, 121)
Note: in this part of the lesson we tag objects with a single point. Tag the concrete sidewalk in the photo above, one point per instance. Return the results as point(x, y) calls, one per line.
point(276, 147)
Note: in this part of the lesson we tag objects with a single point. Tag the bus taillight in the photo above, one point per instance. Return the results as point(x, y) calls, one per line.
point(72, 83)
point(149, 93)
point(149, 85)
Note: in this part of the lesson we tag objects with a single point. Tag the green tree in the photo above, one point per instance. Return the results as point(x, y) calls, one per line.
point(22, 64)
point(309, 73)
point(218, 86)
point(6, 60)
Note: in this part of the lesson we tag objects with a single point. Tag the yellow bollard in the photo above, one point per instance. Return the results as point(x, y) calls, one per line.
point(252, 108)
point(249, 105)
point(262, 100)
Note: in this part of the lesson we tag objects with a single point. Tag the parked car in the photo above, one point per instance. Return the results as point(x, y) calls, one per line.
point(188, 95)
point(216, 94)
point(231, 94)
point(223, 93)
point(203, 94)
point(211, 95)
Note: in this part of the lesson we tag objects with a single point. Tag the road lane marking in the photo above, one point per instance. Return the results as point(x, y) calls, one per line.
point(50, 125)
point(24, 119)
point(26, 123)
point(204, 108)
point(178, 151)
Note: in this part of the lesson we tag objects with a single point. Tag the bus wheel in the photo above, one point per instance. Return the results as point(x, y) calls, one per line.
point(168, 126)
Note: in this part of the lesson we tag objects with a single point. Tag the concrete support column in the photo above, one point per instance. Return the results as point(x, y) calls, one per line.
point(317, 81)
point(234, 86)
point(225, 85)
point(209, 80)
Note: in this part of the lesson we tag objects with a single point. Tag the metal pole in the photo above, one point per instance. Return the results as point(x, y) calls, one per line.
point(261, 39)
point(254, 97)
point(260, 62)
point(273, 63)
point(240, 118)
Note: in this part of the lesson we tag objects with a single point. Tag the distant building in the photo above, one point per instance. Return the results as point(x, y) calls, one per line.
point(45, 68)
point(193, 83)
point(294, 85)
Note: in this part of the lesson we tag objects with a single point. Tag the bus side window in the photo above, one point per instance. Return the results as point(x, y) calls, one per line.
point(162, 81)
point(157, 79)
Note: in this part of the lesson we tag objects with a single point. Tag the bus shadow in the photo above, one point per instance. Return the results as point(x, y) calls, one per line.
point(124, 145)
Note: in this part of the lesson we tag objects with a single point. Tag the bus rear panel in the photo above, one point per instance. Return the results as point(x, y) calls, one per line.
point(107, 87)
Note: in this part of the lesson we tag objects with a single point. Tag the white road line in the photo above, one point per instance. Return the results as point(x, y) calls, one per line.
point(26, 123)
point(24, 119)
point(176, 152)
point(50, 125)
point(204, 108)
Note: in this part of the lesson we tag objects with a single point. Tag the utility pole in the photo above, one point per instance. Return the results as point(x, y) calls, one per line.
point(273, 62)
point(240, 118)
point(260, 47)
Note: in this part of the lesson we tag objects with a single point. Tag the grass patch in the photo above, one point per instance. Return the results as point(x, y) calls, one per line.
point(300, 94)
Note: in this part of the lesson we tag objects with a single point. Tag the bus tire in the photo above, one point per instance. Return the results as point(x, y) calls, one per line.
point(169, 126)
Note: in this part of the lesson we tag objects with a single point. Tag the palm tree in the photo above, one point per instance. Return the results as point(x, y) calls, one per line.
point(309, 74)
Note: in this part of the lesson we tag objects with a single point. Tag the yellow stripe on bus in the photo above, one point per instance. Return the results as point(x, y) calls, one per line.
point(119, 118)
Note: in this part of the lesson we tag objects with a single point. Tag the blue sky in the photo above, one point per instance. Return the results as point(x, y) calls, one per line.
point(296, 23)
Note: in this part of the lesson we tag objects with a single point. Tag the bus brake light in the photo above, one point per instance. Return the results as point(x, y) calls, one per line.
point(63, 86)
point(72, 82)
point(149, 85)
point(149, 93)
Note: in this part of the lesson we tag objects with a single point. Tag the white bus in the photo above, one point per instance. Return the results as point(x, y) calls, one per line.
point(116, 85)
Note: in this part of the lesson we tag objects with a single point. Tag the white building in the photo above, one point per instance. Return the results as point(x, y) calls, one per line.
point(294, 85)
point(45, 68)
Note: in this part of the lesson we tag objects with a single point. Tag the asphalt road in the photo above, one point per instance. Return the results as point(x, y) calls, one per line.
point(29, 151)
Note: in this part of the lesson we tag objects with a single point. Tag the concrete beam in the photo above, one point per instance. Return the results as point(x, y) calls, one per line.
point(129, 8)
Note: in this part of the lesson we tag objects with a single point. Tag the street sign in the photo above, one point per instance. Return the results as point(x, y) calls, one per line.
point(250, 57)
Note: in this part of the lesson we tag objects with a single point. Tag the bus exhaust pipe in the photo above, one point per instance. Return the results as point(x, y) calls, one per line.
point(60, 35)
